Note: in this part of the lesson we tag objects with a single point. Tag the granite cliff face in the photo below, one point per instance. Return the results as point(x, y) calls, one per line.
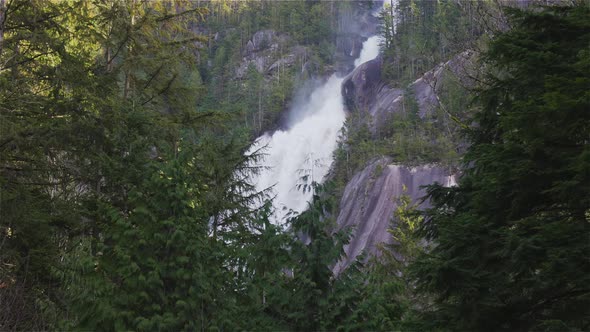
point(370, 199)
point(269, 52)
point(365, 91)
point(361, 87)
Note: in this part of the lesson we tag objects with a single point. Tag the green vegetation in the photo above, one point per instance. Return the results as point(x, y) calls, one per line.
point(260, 96)
point(424, 33)
point(125, 205)
point(512, 240)
point(405, 137)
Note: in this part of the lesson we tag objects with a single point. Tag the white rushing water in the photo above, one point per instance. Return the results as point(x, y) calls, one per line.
point(369, 51)
point(305, 148)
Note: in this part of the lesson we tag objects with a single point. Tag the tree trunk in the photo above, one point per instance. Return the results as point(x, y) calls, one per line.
point(2, 20)
point(128, 74)
point(260, 109)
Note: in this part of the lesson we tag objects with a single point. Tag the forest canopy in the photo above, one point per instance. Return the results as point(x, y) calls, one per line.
point(125, 200)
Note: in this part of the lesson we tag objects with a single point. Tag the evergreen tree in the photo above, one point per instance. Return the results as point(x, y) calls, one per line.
point(84, 89)
point(317, 299)
point(511, 242)
point(386, 299)
point(152, 269)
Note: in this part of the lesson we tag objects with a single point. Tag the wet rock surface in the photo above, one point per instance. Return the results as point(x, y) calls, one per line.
point(360, 88)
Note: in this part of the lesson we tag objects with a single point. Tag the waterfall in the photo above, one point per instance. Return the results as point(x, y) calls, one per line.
point(303, 153)
point(369, 51)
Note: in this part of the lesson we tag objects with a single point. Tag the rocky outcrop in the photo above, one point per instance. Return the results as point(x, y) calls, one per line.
point(269, 52)
point(349, 44)
point(370, 199)
point(261, 40)
point(365, 91)
point(360, 88)
point(355, 25)
point(427, 88)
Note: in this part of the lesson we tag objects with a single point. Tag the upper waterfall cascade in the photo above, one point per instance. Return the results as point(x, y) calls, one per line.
point(301, 154)
point(369, 51)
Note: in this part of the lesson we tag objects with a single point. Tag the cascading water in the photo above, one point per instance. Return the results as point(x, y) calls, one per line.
point(305, 149)
point(303, 153)
point(369, 51)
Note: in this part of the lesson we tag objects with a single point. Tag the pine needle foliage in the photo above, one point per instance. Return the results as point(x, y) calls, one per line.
point(512, 240)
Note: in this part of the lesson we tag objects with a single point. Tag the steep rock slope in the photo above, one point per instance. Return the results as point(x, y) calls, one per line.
point(269, 52)
point(370, 199)
point(364, 90)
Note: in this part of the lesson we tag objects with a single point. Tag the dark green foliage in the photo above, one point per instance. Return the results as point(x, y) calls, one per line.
point(512, 240)
point(84, 88)
point(387, 300)
point(424, 33)
point(146, 266)
point(258, 99)
point(124, 194)
point(315, 298)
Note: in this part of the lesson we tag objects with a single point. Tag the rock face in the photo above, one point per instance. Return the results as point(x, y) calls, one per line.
point(349, 44)
point(427, 87)
point(355, 25)
point(360, 88)
point(261, 40)
point(364, 90)
point(370, 199)
point(268, 52)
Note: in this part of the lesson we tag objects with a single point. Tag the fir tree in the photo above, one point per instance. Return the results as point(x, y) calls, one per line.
point(511, 242)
